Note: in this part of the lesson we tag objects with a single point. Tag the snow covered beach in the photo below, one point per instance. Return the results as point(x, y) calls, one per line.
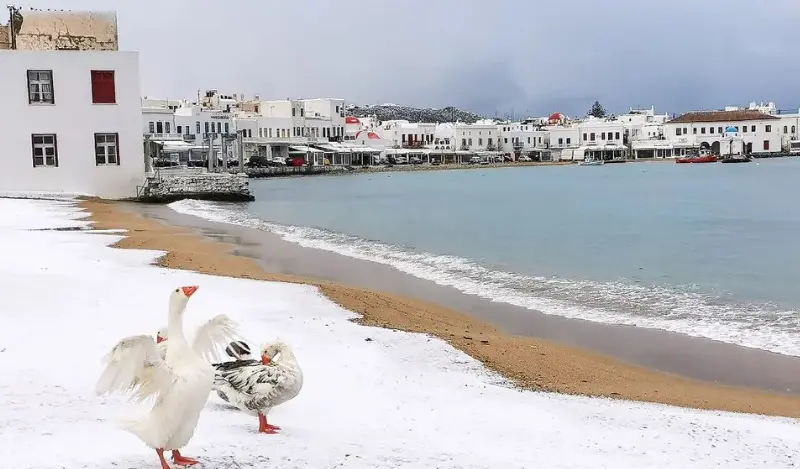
point(395, 400)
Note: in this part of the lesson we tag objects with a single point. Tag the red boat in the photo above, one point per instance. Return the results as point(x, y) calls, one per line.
point(704, 156)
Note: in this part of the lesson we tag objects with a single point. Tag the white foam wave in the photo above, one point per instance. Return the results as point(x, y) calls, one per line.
point(762, 326)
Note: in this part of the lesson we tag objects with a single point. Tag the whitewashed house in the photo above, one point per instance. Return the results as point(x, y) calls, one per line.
point(480, 136)
point(602, 138)
point(565, 142)
point(523, 138)
point(759, 132)
point(73, 120)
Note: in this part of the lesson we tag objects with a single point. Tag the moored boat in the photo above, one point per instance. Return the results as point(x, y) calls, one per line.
point(589, 161)
point(703, 156)
point(737, 159)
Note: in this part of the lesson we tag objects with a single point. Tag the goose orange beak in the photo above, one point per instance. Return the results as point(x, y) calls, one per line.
point(265, 360)
point(189, 291)
point(159, 339)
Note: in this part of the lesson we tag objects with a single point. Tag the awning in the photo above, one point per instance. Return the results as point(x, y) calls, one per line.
point(303, 149)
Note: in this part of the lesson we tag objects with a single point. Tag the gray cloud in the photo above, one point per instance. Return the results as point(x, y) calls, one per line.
point(485, 56)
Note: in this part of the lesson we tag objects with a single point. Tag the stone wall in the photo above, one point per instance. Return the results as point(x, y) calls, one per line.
point(67, 30)
point(5, 38)
point(204, 186)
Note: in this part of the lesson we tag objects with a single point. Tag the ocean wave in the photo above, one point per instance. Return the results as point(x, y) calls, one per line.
point(678, 309)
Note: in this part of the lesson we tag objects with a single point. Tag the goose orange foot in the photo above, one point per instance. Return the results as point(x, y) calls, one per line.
point(182, 460)
point(264, 427)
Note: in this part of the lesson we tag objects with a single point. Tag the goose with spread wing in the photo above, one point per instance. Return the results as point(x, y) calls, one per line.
point(256, 387)
point(179, 382)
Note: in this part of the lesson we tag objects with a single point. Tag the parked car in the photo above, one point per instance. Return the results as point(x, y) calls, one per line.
point(524, 158)
point(415, 160)
point(475, 160)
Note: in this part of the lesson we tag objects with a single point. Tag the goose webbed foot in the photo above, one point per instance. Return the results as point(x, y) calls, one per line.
point(264, 427)
point(164, 464)
point(182, 460)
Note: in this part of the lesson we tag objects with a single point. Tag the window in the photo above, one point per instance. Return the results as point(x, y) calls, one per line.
point(489, 141)
point(785, 129)
point(753, 128)
point(40, 86)
point(529, 140)
point(505, 140)
point(151, 127)
point(616, 135)
point(766, 144)
point(302, 112)
point(768, 128)
point(584, 136)
point(166, 127)
point(103, 88)
point(569, 140)
point(45, 150)
point(694, 130)
point(560, 141)
point(702, 130)
point(591, 136)
point(711, 130)
point(603, 136)
point(719, 130)
point(180, 130)
point(106, 149)
point(480, 142)
point(226, 127)
point(159, 127)
point(249, 133)
point(685, 132)
point(294, 111)
point(197, 127)
point(463, 142)
point(792, 130)
point(744, 128)
point(677, 131)
point(206, 126)
point(470, 142)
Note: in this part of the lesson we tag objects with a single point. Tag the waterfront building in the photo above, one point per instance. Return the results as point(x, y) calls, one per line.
point(758, 131)
point(72, 105)
point(526, 138)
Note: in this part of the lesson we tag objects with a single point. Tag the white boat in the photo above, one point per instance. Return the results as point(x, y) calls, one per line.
point(589, 161)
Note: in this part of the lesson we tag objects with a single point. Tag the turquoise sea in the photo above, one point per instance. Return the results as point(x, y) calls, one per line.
point(708, 250)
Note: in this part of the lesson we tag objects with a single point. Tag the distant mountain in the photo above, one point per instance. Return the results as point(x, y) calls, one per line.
point(385, 112)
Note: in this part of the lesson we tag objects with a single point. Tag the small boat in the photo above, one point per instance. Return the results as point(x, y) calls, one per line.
point(616, 160)
point(589, 161)
point(703, 156)
point(739, 158)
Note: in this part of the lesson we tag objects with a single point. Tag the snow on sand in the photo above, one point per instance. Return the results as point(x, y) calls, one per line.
point(397, 400)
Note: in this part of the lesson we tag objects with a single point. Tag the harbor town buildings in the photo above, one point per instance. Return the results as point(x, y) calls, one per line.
point(76, 122)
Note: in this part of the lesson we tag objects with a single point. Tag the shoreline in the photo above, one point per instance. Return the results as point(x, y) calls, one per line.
point(531, 363)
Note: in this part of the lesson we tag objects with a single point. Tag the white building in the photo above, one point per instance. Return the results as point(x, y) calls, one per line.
point(480, 136)
point(73, 122)
point(759, 132)
point(523, 138)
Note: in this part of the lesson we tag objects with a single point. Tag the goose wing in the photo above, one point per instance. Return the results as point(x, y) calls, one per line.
point(254, 385)
point(135, 365)
point(213, 336)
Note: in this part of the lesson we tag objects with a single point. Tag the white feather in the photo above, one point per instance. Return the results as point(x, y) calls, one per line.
point(212, 337)
point(136, 366)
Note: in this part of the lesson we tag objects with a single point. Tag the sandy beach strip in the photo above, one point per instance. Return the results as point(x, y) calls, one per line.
point(530, 362)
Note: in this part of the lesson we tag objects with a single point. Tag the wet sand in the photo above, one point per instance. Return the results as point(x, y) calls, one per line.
point(536, 351)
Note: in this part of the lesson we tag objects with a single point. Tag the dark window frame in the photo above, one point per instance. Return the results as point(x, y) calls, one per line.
point(44, 156)
point(52, 99)
point(116, 148)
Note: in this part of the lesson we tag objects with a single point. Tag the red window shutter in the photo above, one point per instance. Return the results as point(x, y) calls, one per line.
point(103, 87)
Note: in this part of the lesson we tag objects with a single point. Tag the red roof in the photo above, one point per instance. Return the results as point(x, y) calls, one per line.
point(351, 120)
point(722, 116)
point(556, 116)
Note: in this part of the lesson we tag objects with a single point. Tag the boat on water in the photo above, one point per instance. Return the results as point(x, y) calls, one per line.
point(617, 160)
point(589, 161)
point(739, 158)
point(703, 156)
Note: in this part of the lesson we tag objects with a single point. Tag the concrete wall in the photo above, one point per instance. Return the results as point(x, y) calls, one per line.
point(74, 120)
point(67, 30)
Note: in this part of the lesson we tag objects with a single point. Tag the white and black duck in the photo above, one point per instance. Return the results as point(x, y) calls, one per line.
point(256, 386)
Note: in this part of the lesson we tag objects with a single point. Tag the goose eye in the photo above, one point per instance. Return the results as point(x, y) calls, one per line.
point(176, 290)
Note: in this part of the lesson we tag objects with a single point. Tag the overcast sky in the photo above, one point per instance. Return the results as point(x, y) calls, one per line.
point(486, 56)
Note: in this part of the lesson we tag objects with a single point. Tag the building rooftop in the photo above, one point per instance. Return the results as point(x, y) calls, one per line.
point(721, 116)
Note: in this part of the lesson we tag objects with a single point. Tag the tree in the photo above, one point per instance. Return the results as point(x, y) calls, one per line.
point(597, 110)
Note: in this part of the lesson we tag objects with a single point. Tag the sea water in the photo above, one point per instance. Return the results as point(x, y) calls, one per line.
point(709, 250)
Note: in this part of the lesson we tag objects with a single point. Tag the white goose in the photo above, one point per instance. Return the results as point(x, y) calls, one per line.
point(179, 383)
point(258, 387)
